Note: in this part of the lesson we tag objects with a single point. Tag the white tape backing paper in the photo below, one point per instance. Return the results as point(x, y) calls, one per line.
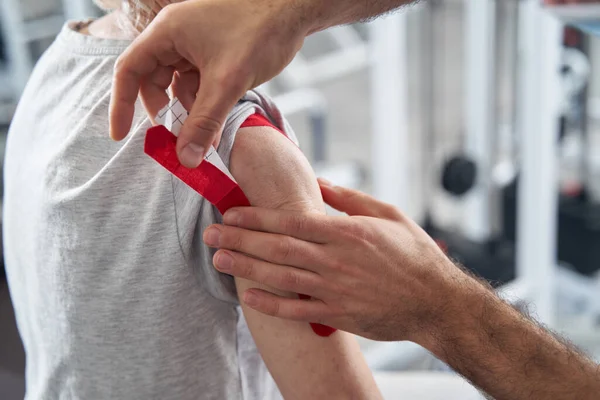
point(172, 116)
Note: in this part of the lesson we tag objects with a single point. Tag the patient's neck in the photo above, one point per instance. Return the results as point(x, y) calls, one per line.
point(114, 25)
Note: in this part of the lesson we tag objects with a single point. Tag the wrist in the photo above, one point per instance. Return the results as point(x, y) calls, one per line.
point(318, 15)
point(463, 302)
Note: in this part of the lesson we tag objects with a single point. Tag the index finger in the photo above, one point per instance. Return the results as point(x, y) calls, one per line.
point(283, 307)
point(311, 227)
point(138, 61)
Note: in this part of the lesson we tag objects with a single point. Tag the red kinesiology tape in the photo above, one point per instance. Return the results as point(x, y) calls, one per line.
point(208, 180)
point(212, 184)
point(319, 329)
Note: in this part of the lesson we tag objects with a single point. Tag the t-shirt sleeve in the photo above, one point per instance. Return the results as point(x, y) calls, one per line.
point(195, 214)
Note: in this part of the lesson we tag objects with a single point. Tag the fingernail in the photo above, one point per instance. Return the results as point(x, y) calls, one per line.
point(232, 217)
point(212, 237)
point(191, 155)
point(251, 299)
point(325, 182)
point(224, 262)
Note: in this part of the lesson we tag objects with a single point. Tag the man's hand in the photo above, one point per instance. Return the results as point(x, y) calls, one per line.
point(376, 273)
point(212, 52)
point(218, 49)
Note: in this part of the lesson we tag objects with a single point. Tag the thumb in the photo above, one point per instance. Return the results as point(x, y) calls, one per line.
point(354, 202)
point(205, 123)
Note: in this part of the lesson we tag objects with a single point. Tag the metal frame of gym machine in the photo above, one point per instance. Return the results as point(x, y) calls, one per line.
point(540, 49)
point(540, 281)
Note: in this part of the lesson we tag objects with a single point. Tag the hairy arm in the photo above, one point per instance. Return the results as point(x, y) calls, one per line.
point(274, 174)
point(379, 275)
point(506, 353)
point(325, 14)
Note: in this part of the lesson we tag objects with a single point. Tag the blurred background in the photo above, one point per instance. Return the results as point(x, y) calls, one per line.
point(479, 118)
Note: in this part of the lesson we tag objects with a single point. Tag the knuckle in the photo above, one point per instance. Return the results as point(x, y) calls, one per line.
point(120, 65)
point(356, 230)
point(204, 124)
point(231, 240)
point(289, 280)
point(233, 78)
point(369, 234)
point(353, 286)
point(248, 217)
point(313, 285)
point(337, 265)
point(167, 14)
point(283, 250)
point(272, 308)
point(123, 70)
point(345, 291)
point(298, 313)
point(338, 312)
point(246, 268)
point(394, 214)
point(353, 195)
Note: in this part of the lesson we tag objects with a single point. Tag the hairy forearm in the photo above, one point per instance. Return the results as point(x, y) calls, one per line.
point(325, 14)
point(506, 354)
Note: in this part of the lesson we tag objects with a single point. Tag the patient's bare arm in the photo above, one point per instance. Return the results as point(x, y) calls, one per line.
point(381, 276)
point(273, 173)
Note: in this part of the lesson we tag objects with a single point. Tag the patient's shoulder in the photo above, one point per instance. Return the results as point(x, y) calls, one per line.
point(272, 171)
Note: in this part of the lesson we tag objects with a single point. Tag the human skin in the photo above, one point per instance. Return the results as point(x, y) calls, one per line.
point(273, 173)
point(213, 51)
point(377, 274)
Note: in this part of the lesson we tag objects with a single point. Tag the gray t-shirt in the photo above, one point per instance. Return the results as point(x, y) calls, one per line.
point(114, 291)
